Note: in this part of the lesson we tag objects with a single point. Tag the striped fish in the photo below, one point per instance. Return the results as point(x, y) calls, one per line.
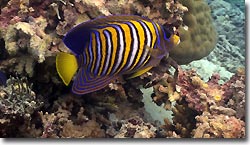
point(108, 47)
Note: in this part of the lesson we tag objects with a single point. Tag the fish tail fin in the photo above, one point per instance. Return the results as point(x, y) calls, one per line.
point(66, 66)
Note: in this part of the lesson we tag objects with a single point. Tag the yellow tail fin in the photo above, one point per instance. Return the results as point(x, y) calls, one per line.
point(66, 66)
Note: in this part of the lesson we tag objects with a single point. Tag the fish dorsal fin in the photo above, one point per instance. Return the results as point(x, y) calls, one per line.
point(77, 39)
point(86, 83)
point(104, 20)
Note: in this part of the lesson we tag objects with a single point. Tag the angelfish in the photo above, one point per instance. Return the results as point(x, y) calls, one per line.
point(108, 47)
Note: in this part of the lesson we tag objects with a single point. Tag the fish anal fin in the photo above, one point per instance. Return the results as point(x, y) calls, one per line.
point(66, 66)
point(86, 83)
point(140, 72)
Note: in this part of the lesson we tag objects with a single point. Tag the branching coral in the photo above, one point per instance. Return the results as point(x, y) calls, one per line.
point(17, 104)
point(198, 94)
point(17, 98)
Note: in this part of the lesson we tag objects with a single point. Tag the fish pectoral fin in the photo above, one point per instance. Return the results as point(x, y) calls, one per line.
point(155, 53)
point(66, 66)
point(85, 82)
point(155, 56)
point(140, 72)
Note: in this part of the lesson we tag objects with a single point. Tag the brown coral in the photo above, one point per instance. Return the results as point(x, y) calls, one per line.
point(198, 35)
point(135, 127)
point(90, 129)
point(235, 90)
point(66, 123)
point(218, 126)
point(196, 97)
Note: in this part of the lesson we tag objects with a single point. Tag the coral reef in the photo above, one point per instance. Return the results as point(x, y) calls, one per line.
point(218, 126)
point(201, 69)
point(32, 30)
point(198, 35)
point(166, 102)
point(229, 52)
point(17, 105)
point(230, 49)
point(236, 88)
point(136, 128)
point(68, 121)
point(26, 41)
point(191, 96)
point(18, 98)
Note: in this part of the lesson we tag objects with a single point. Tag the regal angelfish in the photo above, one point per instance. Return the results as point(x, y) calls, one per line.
point(108, 47)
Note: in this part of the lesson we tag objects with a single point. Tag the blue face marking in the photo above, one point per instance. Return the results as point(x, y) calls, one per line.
point(90, 53)
point(165, 32)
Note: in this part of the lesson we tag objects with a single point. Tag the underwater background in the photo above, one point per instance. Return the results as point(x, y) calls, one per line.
point(202, 97)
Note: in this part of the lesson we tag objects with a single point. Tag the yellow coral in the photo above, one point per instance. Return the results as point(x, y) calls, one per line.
point(204, 85)
point(216, 94)
point(173, 97)
point(198, 82)
point(199, 38)
point(217, 97)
